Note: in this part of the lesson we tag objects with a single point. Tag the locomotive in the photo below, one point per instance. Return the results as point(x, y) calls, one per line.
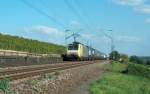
point(78, 51)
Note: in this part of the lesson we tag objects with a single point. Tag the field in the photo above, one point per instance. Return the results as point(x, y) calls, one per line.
point(8, 42)
point(115, 82)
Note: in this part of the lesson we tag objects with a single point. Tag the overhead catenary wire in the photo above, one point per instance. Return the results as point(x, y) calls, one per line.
point(43, 13)
point(45, 4)
point(81, 9)
point(111, 38)
point(76, 13)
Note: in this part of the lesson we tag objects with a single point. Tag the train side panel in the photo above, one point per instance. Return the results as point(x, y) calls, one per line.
point(83, 51)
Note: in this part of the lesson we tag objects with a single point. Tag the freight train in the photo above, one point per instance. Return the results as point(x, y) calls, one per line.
point(76, 51)
point(79, 51)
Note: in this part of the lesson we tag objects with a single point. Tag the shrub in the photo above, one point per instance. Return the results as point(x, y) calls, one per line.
point(124, 58)
point(148, 62)
point(114, 55)
point(140, 70)
point(4, 85)
point(136, 59)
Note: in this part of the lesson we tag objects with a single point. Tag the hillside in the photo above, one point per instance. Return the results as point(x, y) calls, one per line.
point(8, 42)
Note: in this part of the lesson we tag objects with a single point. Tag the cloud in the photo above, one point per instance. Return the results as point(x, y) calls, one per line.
point(45, 33)
point(44, 30)
point(5, 33)
point(140, 6)
point(129, 2)
point(143, 9)
point(75, 24)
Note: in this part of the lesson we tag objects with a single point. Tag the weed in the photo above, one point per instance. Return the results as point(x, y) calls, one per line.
point(4, 85)
point(57, 73)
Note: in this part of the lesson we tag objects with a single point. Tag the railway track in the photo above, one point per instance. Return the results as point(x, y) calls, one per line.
point(16, 74)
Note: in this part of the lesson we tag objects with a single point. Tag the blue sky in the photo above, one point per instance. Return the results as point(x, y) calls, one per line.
point(129, 20)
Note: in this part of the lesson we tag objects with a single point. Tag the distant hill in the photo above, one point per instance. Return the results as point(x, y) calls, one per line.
point(145, 57)
point(8, 42)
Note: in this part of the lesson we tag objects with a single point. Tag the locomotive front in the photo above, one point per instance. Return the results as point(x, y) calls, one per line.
point(72, 51)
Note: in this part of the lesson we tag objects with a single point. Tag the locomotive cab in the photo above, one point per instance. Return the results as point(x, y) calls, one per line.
point(72, 51)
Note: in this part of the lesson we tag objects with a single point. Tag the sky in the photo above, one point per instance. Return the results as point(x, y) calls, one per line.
point(128, 21)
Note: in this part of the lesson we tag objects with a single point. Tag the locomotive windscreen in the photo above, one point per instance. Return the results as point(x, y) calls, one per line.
point(73, 47)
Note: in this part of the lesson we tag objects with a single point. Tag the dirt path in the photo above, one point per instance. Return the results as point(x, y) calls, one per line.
point(83, 88)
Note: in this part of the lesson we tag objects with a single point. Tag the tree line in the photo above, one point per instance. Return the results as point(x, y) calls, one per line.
point(8, 42)
point(115, 55)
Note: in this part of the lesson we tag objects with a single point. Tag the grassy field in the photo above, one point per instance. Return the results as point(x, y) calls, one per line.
point(115, 82)
point(8, 42)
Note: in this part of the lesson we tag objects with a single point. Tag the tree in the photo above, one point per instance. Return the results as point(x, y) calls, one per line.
point(124, 58)
point(114, 55)
point(148, 62)
point(136, 59)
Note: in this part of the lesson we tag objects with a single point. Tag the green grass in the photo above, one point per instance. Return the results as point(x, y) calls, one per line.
point(4, 85)
point(115, 82)
point(9, 42)
point(139, 70)
point(115, 67)
point(118, 67)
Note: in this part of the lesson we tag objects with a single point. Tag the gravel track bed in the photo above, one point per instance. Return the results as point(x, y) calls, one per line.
point(64, 83)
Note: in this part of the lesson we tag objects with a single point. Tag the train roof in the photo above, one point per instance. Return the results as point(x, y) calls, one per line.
point(76, 42)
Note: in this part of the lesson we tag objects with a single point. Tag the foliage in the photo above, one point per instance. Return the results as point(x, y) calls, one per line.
point(124, 58)
point(57, 73)
point(4, 85)
point(140, 60)
point(136, 59)
point(115, 82)
point(114, 55)
point(140, 70)
point(48, 76)
point(8, 42)
point(148, 62)
point(118, 67)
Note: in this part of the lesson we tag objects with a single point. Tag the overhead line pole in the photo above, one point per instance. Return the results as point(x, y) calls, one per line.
point(112, 40)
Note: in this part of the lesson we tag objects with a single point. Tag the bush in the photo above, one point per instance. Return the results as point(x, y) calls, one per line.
point(4, 85)
point(136, 59)
point(114, 55)
point(140, 70)
point(148, 62)
point(124, 58)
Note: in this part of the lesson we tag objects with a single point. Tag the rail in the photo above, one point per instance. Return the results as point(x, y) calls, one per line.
point(16, 74)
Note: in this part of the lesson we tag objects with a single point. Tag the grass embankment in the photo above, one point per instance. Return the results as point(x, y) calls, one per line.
point(8, 42)
point(116, 82)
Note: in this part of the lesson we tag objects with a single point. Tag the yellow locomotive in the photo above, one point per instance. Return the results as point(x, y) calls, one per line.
point(79, 51)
